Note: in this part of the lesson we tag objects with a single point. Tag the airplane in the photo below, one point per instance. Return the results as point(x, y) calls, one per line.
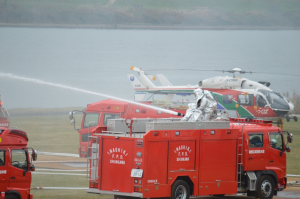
point(249, 98)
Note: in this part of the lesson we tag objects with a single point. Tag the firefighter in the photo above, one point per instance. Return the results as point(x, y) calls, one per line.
point(192, 113)
point(205, 103)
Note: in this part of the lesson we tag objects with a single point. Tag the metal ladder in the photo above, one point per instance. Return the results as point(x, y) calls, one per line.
point(240, 156)
point(93, 159)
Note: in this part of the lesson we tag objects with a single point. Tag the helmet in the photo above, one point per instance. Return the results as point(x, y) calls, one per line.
point(273, 143)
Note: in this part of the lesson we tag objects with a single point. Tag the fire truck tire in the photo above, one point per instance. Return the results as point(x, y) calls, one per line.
point(11, 196)
point(180, 189)
point(265, 187)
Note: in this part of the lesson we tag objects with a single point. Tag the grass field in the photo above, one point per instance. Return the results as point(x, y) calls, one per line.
point(55, 134)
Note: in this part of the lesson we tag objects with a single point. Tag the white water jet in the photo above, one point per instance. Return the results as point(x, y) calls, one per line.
point(8, 75)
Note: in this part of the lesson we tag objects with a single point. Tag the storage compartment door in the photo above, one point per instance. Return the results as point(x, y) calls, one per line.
point(116, 165)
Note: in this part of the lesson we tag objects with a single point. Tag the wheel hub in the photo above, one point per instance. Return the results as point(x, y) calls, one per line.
point(266, 188)
point(181, 192)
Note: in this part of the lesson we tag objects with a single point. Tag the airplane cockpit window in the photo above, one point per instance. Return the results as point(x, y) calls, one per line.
point(276, 100)
point(260, 101)
point(246, 100)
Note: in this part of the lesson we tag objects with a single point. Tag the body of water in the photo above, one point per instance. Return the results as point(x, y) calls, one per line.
point(99, 60)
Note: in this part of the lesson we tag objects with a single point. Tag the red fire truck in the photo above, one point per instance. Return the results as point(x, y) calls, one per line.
point(4, 116)
point(15, 164)
point(182, 159)
point(96, 114)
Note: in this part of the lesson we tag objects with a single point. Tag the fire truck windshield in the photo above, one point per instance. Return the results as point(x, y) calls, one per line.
point(90, 119)
point(109, 116)
point(2, 158)
point(19, 158)
point(276, 100)
point(276, 140)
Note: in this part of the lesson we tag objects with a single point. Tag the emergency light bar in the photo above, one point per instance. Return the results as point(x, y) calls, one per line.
point(248, 120)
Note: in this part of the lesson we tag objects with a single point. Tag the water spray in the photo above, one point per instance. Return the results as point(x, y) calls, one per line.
point(7, 75)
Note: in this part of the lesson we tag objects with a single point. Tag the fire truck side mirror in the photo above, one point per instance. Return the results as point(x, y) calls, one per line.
point(32, 167)
point(288, 149)
point(71, 116)
point(34, 155)
point(290, 138)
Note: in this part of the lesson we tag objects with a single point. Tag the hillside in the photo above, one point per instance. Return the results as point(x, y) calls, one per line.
point(212, 13)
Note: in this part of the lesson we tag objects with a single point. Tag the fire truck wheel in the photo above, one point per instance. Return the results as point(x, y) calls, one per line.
point(266, 187)
point(11, 196)
point(180, 190)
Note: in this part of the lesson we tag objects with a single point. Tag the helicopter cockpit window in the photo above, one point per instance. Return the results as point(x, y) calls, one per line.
point(227, 99)
point(276, 100)
point(246, 100)
point(260, 101)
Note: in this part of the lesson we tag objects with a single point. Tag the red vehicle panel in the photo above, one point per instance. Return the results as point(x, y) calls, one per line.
point(117, 163)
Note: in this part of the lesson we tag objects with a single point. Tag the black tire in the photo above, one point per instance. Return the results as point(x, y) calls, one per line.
point(11, 196)
point(287, 118)
point(219, 195)
point(295, 118)
point(265, 187)
point(180, 190)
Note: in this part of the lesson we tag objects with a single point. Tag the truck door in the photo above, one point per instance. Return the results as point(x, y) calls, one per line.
point(276, 151)
point(4, 176)
point(256, 151)
point(90, 120)
point(116, 165)
point(19, 175)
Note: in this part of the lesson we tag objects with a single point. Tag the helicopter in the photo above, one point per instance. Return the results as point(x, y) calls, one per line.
point(250, 99)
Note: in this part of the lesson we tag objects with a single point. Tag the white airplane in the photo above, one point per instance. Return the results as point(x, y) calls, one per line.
point(249, 98)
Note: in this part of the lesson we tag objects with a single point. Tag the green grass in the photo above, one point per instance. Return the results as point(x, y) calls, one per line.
point(293, 158)
point(49, 133)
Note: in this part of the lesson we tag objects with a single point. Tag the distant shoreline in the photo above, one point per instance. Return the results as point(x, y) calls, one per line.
point(146, 27)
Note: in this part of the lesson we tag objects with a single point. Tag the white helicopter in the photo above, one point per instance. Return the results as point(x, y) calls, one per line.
point(249, 98)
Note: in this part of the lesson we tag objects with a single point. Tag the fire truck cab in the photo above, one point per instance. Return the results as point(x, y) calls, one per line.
point(167, 158)
point(98, 113)
point(15, 164)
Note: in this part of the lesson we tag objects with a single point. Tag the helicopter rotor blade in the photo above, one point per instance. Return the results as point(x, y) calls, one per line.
point(223, 71)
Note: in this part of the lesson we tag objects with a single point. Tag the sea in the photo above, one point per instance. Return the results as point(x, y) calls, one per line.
point(99, 60)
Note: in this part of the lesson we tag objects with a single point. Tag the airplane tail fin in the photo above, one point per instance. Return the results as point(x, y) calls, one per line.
point(163, 80)
point(139, 95)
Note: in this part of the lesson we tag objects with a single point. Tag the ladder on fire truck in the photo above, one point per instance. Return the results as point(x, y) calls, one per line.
point(240, 159)
point(92, 156)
